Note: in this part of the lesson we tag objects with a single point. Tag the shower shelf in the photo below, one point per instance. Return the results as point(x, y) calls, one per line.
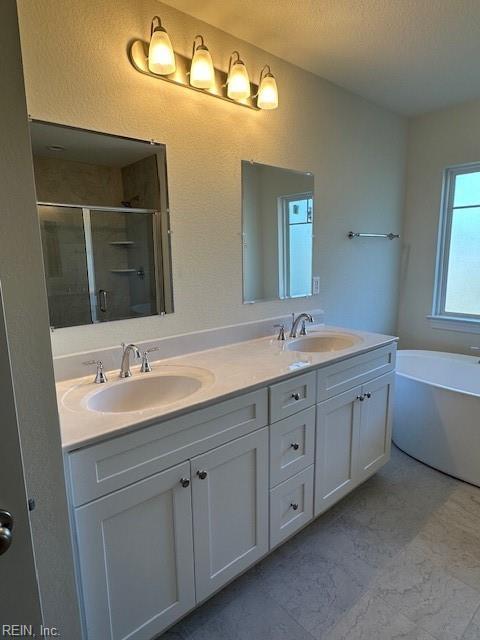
point(122, 243)
point(123, 270)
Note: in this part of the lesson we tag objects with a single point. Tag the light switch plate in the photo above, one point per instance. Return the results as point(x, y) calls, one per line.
point(316, 285)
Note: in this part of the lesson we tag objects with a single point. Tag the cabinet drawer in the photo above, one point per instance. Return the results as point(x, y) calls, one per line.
point(116, 463)
point(342, 376)
point(291, 506)
point(291, 396)
point(292, 445)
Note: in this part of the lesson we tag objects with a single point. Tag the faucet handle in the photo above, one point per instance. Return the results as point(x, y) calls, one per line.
point(100, 376)
point(146, 366)
point(281, 333)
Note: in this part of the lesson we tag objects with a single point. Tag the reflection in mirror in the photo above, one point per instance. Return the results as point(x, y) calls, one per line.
point(277, 232)
point(103, 209)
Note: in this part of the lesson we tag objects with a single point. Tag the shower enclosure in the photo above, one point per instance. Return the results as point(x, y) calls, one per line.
point(101, 263)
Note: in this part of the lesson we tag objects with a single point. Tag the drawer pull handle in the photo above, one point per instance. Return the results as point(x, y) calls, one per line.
point(202, 474)
point(294, 506)
point(295, 446)
point(361, 398)
point(296, 396)
point(185, 482)
point(368, 394)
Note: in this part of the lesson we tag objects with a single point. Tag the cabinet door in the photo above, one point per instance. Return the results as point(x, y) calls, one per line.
point(230, 510)
point(338, 422)
point(374, 441)
point(136, 557)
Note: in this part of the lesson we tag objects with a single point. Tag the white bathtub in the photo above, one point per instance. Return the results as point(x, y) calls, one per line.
point(437, 411)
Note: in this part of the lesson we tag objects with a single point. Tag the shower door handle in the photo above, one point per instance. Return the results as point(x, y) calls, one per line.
point(102, 300)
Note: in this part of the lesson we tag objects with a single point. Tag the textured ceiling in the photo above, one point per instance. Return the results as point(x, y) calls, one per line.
point(412, 56)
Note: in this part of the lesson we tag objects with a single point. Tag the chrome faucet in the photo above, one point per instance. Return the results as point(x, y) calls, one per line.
point(302, 317)
point(125, 367)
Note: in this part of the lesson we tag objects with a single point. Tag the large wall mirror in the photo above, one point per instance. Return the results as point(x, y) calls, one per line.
point(277, 232)
point(103, 208)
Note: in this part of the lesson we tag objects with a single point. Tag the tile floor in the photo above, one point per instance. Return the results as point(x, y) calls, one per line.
point(397, 559)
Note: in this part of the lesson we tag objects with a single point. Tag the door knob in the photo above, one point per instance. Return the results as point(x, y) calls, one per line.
point(202, 474)
point(6, 531)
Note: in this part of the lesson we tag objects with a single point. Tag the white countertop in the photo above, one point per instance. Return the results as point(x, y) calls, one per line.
point(226, 371)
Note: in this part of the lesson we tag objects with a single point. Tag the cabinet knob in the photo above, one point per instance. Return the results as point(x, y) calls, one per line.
point(361, 398)
point(296, 396)
point(185, 482)
point(202, 474)
point(295, 446)
point(294, 506)
point(368, 394)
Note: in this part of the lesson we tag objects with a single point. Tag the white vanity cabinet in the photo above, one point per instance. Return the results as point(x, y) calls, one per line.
point(353, 436)
point(138, 569)
point(136, 557)
point(230, 510)
point(338, 426)
point(167, 514)
point(375, 434)
point(150, 551)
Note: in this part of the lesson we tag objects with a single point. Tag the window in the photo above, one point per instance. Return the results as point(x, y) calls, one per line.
point(457, 287)
point(295, 245)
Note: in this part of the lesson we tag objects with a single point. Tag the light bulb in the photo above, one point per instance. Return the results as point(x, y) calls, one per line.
point(161, 58)
point(202, 73)
point(267, 93)
point(238, 82)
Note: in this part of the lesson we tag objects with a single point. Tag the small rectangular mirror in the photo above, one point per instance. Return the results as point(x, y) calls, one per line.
point(277, 232)
point(103, 208)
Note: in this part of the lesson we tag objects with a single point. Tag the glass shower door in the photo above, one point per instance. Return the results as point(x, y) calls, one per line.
point(65, 263)
point(123, 255)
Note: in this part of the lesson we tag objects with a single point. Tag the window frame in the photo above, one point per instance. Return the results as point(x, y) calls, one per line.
point(284, 244)
point(440, 317)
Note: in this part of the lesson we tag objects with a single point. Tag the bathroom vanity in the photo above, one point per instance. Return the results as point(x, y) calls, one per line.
point(170, 503)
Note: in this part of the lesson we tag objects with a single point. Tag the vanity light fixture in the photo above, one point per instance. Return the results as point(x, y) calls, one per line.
point(267, 97)
point(158, 60)
point(161, 58)
point(202, 73)
point(238, 82)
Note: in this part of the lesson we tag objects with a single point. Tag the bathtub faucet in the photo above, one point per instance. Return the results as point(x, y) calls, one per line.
point(476, 349)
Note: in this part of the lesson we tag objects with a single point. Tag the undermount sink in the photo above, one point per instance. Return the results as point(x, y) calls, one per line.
point(148, 391)
point(323, 343)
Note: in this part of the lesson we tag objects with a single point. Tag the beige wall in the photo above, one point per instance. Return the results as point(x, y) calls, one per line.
point(26, 313)
point(435, 141)
point(67, 182)
point(77, 73)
